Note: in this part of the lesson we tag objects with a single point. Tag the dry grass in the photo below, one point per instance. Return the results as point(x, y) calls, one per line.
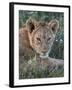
point(33, 69)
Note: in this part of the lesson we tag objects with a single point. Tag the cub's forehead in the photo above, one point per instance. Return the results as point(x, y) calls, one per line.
point(43, 31)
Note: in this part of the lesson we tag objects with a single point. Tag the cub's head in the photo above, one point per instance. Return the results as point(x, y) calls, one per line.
point(42, 35)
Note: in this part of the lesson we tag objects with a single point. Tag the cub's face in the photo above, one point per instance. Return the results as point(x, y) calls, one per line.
point(42, 35)
point(42, 41)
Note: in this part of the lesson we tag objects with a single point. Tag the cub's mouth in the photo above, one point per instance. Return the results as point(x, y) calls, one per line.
point(43, 56)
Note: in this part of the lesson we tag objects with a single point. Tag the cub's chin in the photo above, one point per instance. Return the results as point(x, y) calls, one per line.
point(44, 56)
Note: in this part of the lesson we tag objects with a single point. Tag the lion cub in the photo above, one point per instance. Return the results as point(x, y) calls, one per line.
point(36, 38)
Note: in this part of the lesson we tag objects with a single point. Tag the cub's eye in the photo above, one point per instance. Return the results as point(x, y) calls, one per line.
point(38, 39)
point(49, 39)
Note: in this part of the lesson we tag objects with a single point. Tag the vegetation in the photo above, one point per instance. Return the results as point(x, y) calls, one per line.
point(32, 70)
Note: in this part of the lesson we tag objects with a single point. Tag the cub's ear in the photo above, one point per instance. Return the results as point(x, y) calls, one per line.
point(54, 25)
point(30, 25)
